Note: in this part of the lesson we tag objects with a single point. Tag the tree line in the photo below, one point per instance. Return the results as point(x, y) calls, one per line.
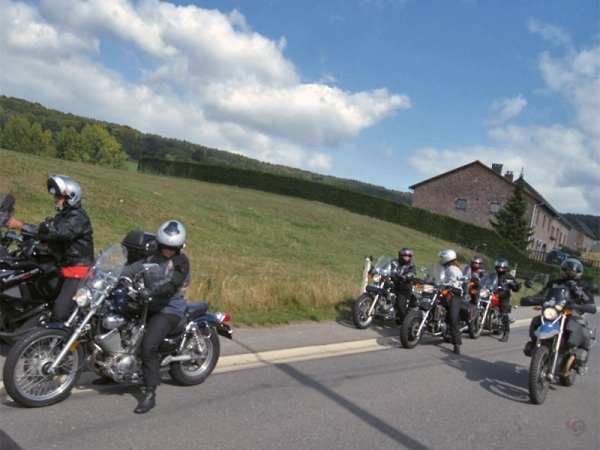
point(32, 128)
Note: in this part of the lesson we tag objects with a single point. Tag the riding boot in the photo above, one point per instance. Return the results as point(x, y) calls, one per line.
point(147, 402)
point(506, 323)
point(456, 349)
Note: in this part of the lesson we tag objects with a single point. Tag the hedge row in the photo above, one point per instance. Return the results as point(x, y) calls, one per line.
point(437, 225)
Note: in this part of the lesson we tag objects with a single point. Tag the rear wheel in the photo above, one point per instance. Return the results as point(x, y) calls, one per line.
point(205, 355)
point(360, 311)
point(570, 378)
point(409, 332)
point(538, 375)
point(26, 376)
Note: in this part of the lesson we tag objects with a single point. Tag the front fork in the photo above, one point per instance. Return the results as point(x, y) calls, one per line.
point(557, 342)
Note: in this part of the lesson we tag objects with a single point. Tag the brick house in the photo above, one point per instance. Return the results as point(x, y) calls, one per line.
point(475, 193)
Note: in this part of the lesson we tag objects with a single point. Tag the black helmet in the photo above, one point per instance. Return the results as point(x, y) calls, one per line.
point(501, 263)
point(405, 251)
point(571, 268)
point(477, 260)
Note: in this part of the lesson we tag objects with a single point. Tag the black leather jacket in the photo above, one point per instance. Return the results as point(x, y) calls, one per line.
point(404, 276)
point(70, 235)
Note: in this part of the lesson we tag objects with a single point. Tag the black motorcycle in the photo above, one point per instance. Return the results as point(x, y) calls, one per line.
point(556, 353)
point(430, 316)
point(107, 328)
point(29, 284)
point(378, 299)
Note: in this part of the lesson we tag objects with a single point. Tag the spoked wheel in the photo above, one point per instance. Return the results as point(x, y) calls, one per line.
point(360, 311)
point(409, 332)
point(205, 356)
point(538, 375)
point(26, 376)
point(476, 325)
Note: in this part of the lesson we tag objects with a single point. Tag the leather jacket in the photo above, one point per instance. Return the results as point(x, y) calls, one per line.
point(69, 235)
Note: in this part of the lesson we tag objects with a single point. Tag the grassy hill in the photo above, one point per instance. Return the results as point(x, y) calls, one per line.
point(264, 258)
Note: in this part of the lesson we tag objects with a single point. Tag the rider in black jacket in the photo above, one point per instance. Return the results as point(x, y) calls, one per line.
point(506, 283)
point(69, 235)
point(477, 272)
point(403, 278)
point(166, 293)
point(571, 271)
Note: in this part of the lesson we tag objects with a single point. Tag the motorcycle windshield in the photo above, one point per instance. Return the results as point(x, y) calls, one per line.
point(490, 281)
point(107, 268)
point(556, 296)
point(383, 265)
point(436, 274)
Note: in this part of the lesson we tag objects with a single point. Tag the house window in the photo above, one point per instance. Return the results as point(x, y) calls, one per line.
point(461, 204)
point(494, 208)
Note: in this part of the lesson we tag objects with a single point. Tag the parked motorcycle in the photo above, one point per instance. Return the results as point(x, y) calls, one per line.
point(29, 284)
point(107, 328)
point(555, 353)
point(379, 299)
point(429, 317)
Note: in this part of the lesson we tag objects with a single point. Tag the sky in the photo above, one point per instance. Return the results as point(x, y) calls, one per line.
point(388, 92)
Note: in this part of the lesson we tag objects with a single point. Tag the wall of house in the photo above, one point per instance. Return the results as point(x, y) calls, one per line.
point(549, 231)
point(475, 187)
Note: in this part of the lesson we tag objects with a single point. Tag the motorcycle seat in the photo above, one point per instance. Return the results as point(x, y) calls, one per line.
point(195, 310)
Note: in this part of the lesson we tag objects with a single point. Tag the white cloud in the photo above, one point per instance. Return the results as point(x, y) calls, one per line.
point(199, 75)
point(508, 108)
point(549, 32)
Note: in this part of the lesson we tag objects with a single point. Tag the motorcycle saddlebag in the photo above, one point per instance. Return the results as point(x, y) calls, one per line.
point(139, 245)
point(468, 312)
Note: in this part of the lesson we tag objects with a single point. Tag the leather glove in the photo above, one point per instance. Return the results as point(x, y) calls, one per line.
point(144, 295)
point(44, 228)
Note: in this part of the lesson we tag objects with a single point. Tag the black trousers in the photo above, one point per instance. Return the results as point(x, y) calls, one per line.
point(402, 299)
point(158, 328)
point(64, 304)
point(452, 319)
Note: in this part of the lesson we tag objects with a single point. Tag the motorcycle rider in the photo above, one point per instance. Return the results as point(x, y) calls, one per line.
point(448, 259)
point(477, 272)
point(571, 271)
point(69, 235)
point(166, 293)
point(506, 283)
point(403, 278)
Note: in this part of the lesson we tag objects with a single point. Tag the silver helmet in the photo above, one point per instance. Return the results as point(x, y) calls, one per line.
point(65, 186)
point(447, 255)
point(171, 234)
point(571, 268)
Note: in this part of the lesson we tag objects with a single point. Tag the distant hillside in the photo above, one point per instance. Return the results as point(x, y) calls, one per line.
point(137, 144)
point(593, 222)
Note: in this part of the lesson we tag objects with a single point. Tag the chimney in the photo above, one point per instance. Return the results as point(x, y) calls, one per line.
point(509, 176)
point(497, 168)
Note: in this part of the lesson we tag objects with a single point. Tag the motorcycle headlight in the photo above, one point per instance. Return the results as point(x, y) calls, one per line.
point(484, 293)
point(83, 297)
point(428, 289)
point(377, 278)
point(550, 314)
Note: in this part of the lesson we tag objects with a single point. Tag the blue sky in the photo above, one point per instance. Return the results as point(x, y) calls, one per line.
point(389, 92)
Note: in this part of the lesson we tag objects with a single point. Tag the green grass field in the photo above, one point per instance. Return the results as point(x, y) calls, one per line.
point(264, 258)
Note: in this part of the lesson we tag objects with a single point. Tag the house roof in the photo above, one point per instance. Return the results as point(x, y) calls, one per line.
point(528, 189)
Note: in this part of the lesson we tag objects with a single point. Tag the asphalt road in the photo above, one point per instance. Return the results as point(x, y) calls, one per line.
point(331, 386)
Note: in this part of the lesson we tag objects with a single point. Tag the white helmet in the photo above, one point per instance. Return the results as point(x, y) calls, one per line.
point(447, 255)
point(65, 186)
point(171, 234)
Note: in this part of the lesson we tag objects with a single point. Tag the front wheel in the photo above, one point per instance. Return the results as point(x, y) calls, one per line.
point(476, 325)
point(360, 311)
point(26, 376)
point(409, 332)
point(205, 355)
point(538, 375)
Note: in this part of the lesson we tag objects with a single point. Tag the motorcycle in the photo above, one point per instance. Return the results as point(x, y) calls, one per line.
point(29, 284)
point(107, 328)
point(379, 299)
point(555, 352)
point(429, 317)
point(488, 308)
